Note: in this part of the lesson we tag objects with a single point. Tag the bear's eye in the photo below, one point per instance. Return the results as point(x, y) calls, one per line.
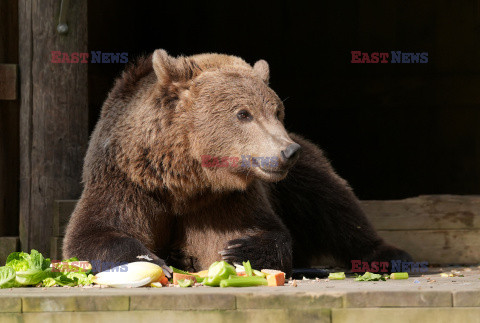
point(244, 115)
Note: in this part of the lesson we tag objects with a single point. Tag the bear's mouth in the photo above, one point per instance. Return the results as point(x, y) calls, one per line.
point(272, 174)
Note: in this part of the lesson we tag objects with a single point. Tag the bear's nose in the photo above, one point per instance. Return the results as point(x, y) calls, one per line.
point(291, 151)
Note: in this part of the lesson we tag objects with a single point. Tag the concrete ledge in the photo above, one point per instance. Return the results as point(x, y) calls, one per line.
point(75, 303)
point(10, 304)
point(183, 301)
point(401, 315)
point(398, 299)
point(295, 301)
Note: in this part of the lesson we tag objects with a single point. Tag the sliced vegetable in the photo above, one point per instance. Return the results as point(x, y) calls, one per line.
point(72, 266)
point(270, 271)
point(156, 284)
point(399, 276)
point(179, 271)
point(258, 273)
point(217, 272)
point(277, 279)
point(368, 276)
point(248, 268)
point(202, 273)
point(336, 276)
point(164, 281)
point(244, 282)
point(177, 277)
point(137, 274)
point(185, 282)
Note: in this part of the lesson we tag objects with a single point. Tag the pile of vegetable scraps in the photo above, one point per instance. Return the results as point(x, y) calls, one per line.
point(23, 269)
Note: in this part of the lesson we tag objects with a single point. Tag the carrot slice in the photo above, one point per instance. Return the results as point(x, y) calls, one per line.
point(164, 281)
point(177, 277)
point(276, 279)
point(203, 273)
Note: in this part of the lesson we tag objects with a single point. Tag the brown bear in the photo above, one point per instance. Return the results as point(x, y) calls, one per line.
point(148, 191)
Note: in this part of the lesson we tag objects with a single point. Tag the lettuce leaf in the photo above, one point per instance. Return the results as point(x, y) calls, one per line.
point(30, 269)
point(7, 277)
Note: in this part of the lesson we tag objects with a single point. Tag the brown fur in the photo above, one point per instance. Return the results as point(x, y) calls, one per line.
point(146, 192)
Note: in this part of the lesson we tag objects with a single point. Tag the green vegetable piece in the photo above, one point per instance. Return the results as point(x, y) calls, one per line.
point(7, 277)
point(30, 269)
point(49, 282)
point(185, 282)
point(259, 273)
point(217, 272)
point(399, 276)
point(368, 276)
point(71, 259)
point(336, 276)
point(248, 268)
point(179, 271)
point(248, 281)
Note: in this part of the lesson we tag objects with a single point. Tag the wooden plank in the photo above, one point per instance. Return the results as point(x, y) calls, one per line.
point(7, 246)
point(9, 119)
point(56, 248)
point(8, 81)
point(425, 212)
point(61, 215)
point(25, 62)
point(438, 246)
point(54, 123)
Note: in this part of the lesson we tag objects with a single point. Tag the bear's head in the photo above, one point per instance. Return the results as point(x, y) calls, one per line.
point(207, 120)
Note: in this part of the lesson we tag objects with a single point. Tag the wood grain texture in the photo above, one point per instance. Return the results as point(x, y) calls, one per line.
point(438, 246)
point(8, 81)
point(9, 119)
point(62, 210)
point(54, 127)
point(7, 246)
point(425, 212)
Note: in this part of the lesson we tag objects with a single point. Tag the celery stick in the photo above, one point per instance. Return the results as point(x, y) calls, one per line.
point(244, 282)
point(259, 273)
point(336, 276)
point(248, 268)
point(185, 282)
point(399, 276)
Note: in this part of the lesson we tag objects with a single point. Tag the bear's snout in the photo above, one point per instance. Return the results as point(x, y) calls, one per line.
point(291, 152)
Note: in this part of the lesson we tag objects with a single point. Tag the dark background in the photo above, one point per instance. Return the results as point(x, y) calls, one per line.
point(392, 130)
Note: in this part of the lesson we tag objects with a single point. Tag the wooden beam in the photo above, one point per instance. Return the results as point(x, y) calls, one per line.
point(8, 81)
point(435, 212)
point(9, 119)
point(54, 115)
point(7, 246)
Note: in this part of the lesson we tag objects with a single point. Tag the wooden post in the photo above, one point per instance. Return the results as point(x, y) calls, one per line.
point(53, 115)
point(9, 123)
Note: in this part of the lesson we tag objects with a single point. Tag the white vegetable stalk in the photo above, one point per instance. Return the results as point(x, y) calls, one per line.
point(134, 274)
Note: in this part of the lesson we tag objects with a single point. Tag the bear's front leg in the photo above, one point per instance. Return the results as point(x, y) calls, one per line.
point(264, 250)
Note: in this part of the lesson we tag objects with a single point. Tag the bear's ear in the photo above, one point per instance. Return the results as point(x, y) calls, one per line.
point(170, 69)
point(262, 69)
